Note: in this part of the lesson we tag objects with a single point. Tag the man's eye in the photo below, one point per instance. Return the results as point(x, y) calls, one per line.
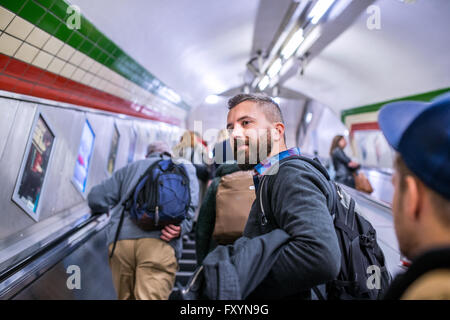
point(244, 123)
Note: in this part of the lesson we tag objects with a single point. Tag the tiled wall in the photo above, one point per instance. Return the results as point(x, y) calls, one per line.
point(41, 56)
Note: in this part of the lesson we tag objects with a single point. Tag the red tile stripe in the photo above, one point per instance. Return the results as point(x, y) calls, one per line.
point(21, 77)
point(363, 126)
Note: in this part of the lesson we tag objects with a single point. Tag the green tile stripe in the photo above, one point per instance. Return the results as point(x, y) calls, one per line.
point(427, 96)
point(51, 16)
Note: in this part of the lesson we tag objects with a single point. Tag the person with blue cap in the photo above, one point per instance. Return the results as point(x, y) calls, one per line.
point(420, 134)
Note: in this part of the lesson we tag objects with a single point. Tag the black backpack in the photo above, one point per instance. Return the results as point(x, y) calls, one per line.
point(363, 273)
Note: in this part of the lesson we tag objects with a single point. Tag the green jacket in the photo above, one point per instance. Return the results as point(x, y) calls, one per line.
point(204, 243)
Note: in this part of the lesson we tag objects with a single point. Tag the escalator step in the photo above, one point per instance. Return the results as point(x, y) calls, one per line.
point(188, 254)
point(187, 264)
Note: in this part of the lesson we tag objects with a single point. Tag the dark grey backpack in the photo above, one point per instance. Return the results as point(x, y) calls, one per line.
point(363, 273)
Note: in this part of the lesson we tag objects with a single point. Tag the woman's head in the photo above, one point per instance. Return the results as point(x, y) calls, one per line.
point(188, 140)
point(338, 141)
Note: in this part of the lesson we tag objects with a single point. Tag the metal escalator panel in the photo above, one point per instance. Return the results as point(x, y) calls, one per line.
point(73, 265)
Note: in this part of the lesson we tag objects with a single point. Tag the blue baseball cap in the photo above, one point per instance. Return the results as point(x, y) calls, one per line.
point(420, 132)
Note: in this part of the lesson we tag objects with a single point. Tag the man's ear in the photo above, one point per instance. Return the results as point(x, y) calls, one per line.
point(279, 127)
point(411, 199)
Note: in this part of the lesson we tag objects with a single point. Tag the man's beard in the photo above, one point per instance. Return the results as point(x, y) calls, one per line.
point(255, 152)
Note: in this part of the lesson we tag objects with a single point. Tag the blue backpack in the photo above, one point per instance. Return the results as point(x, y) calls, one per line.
point(161, 197)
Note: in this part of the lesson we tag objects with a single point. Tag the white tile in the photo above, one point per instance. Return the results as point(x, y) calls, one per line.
point(77, 58)
point(95, 67)
point(123, 83)
point(117, 79)
point(53, 45)
point(5, 17)
point(103, 72)
point(56, 65)
point(19, 28)
point(66, 52)
point(26, 53)
point(37, 37)
point(87, 79)
point(67, 70)
point(95, 82)
point(87, 63)
point(8, 44)
point(42, 60)
point(78, 75)
point(102, 85)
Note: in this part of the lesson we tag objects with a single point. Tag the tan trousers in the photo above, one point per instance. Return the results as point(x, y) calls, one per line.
point(143, 269)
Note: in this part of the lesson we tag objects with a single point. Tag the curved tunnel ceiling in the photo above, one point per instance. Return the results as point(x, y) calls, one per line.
point(201, 47)
point(408, 55)
point(196, 47)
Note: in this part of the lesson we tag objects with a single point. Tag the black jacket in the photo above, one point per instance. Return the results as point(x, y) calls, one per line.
point(437, 259)
point(296, 201)
point(344, 174)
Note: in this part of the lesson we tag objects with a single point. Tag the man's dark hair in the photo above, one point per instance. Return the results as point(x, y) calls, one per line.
point(441, 204)
point(268, 106)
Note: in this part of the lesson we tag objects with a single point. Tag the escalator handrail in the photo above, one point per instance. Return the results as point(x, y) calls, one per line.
point(19, 265)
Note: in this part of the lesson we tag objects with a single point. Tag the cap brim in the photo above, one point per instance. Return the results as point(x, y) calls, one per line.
point(394, 118)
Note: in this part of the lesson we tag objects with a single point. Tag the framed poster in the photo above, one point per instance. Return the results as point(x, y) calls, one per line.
point(113, 150)
point(84, 155)
point(31, 182)
point(372, 149)
point(132, 146)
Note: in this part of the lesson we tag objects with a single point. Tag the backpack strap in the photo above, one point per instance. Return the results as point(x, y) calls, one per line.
point(125, 204)
point(119, 227)
point(315, 163)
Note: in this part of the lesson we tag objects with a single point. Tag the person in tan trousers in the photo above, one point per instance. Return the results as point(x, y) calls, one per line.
point(144, 263)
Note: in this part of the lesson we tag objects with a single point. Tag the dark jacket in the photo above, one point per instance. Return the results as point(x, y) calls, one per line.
point(206, 220)
point(233, 271)
point(428, 278)
point(344, 174)
point(297, 201)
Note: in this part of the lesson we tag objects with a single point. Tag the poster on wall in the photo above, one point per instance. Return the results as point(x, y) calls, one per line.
point(132, 146)
point(31, 181)
point(113, 150)
point(84, 155)
point(373, 149)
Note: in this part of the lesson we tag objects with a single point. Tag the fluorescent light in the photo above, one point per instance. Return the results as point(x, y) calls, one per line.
point(319, 10)
point(264, 83)
point(274, 68)
point(312, 36)
point(308, 117)
point(292, 44)
point(212, 99)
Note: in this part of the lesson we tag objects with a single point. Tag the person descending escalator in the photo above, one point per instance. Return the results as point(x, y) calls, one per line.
point(344, 167)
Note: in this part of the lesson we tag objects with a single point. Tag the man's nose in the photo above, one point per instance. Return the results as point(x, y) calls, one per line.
point(236, 132)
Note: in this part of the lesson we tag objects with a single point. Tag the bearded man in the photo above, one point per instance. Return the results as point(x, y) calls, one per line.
point(295, 199)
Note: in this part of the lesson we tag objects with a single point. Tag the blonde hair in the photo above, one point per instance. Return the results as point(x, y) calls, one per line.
point(187, 140)
point(222, 135)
